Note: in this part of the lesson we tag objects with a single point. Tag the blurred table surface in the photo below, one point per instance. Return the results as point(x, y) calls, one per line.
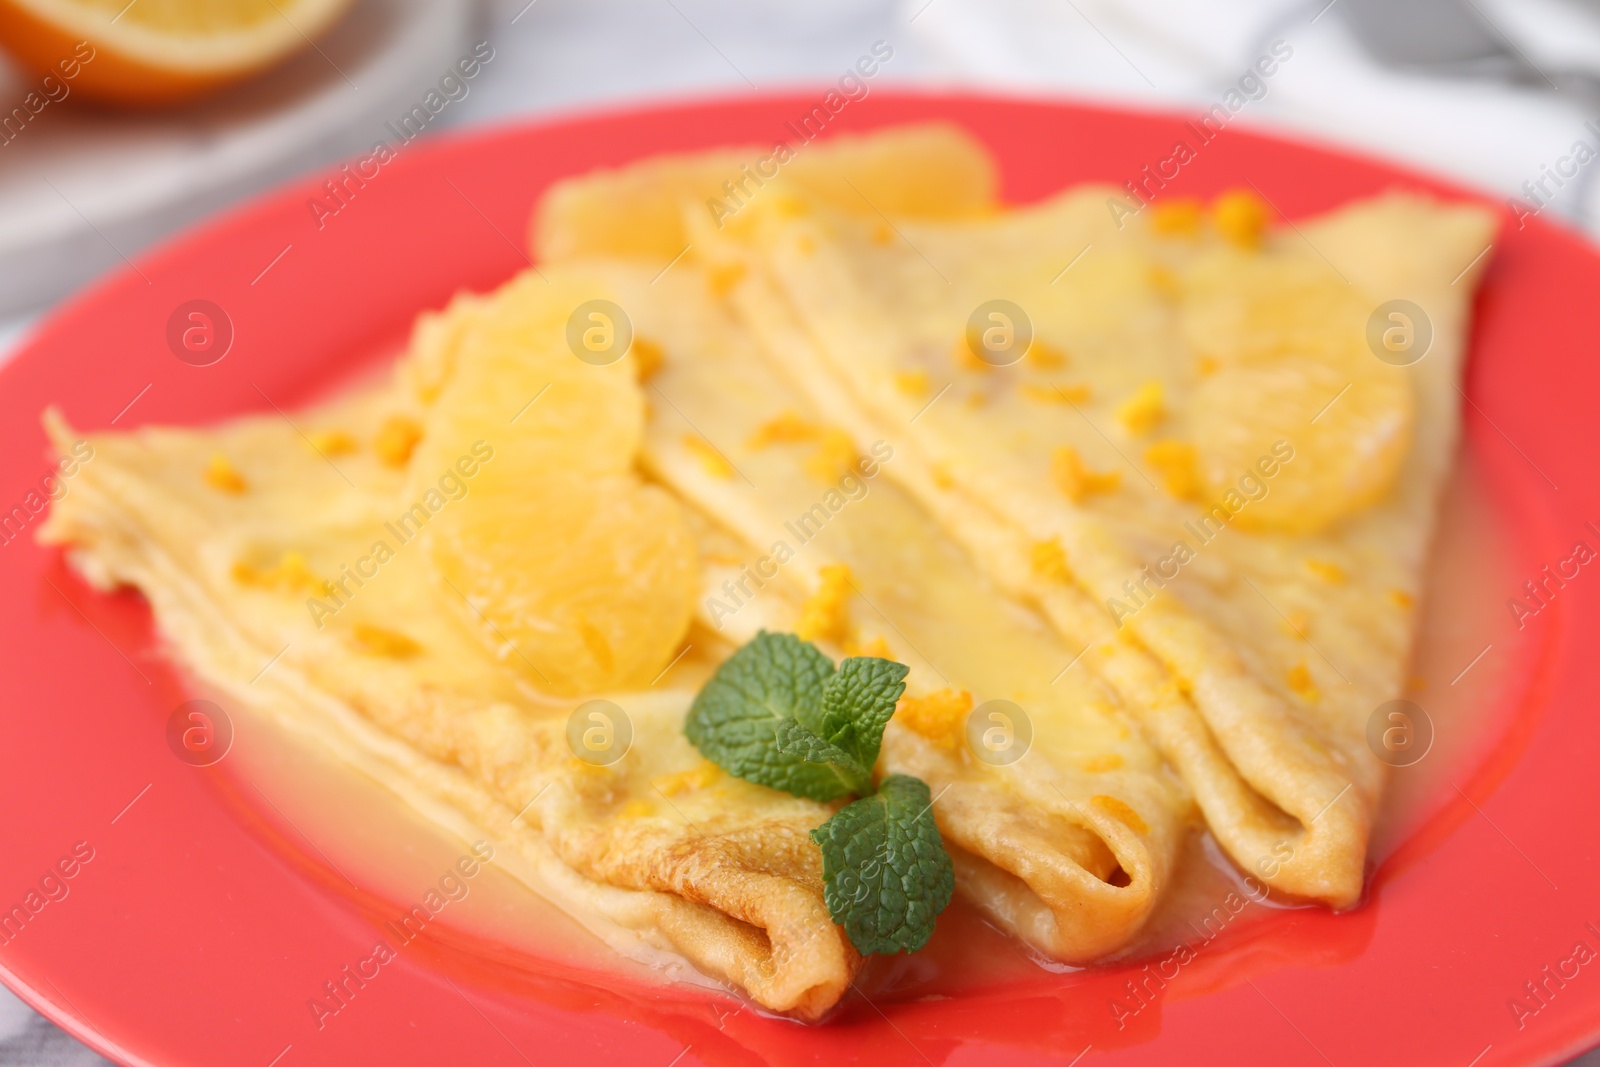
point(554, 56)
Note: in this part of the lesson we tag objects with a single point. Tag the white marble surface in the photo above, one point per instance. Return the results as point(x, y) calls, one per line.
point(562, 55)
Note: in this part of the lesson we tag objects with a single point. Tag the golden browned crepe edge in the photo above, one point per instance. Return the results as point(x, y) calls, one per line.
point(1043, 877)
point(712, 900)
point(1221, 722)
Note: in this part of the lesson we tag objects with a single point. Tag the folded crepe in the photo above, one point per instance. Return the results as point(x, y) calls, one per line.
point(1070, 841)
point(306, 567)
point(1175, 436)
point(926, 170)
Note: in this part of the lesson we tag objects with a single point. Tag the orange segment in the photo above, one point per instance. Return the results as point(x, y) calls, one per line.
point(1335, 435)
point(1297, 403)
point(584, 583)
point(513, 383)
point(571, 568)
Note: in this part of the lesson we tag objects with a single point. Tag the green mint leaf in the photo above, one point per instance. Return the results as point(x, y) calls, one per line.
point(886, 874)
point(795, 740)
point(857, 703)
point(734, 719)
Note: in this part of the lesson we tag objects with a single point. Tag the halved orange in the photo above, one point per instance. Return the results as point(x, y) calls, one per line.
point(147, 52)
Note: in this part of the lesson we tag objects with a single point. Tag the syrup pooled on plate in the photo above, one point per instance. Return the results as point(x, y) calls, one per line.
point(398, 855)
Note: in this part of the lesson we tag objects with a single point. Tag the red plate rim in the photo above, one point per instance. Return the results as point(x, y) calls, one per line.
point(1422, 972)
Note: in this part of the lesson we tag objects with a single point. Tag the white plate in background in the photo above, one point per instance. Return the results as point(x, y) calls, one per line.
point(82, 188)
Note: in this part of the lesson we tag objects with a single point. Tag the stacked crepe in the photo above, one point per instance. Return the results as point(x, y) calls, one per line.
point(1168, 510)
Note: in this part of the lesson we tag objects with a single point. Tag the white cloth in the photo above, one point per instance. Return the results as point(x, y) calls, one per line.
point(1484, 133)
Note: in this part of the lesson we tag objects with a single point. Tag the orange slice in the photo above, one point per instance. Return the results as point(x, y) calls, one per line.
point(585, 583)
point(572, 569)
point(157, 51)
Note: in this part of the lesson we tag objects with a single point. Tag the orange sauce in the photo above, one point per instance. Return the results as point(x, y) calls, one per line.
point(378, 843)
point(1463, 610)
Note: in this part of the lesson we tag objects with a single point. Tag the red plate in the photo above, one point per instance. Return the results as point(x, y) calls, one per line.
point(200, 928)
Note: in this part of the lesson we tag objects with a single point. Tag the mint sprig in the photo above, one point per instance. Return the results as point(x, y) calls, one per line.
point(735, 719)
point(795, 740)
point(778, 713)
point(886, 875)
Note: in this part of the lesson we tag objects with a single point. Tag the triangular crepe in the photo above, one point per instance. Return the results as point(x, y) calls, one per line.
point(929, 170)
point(1177, 369)
point(1070, 846)
point(657, 852)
